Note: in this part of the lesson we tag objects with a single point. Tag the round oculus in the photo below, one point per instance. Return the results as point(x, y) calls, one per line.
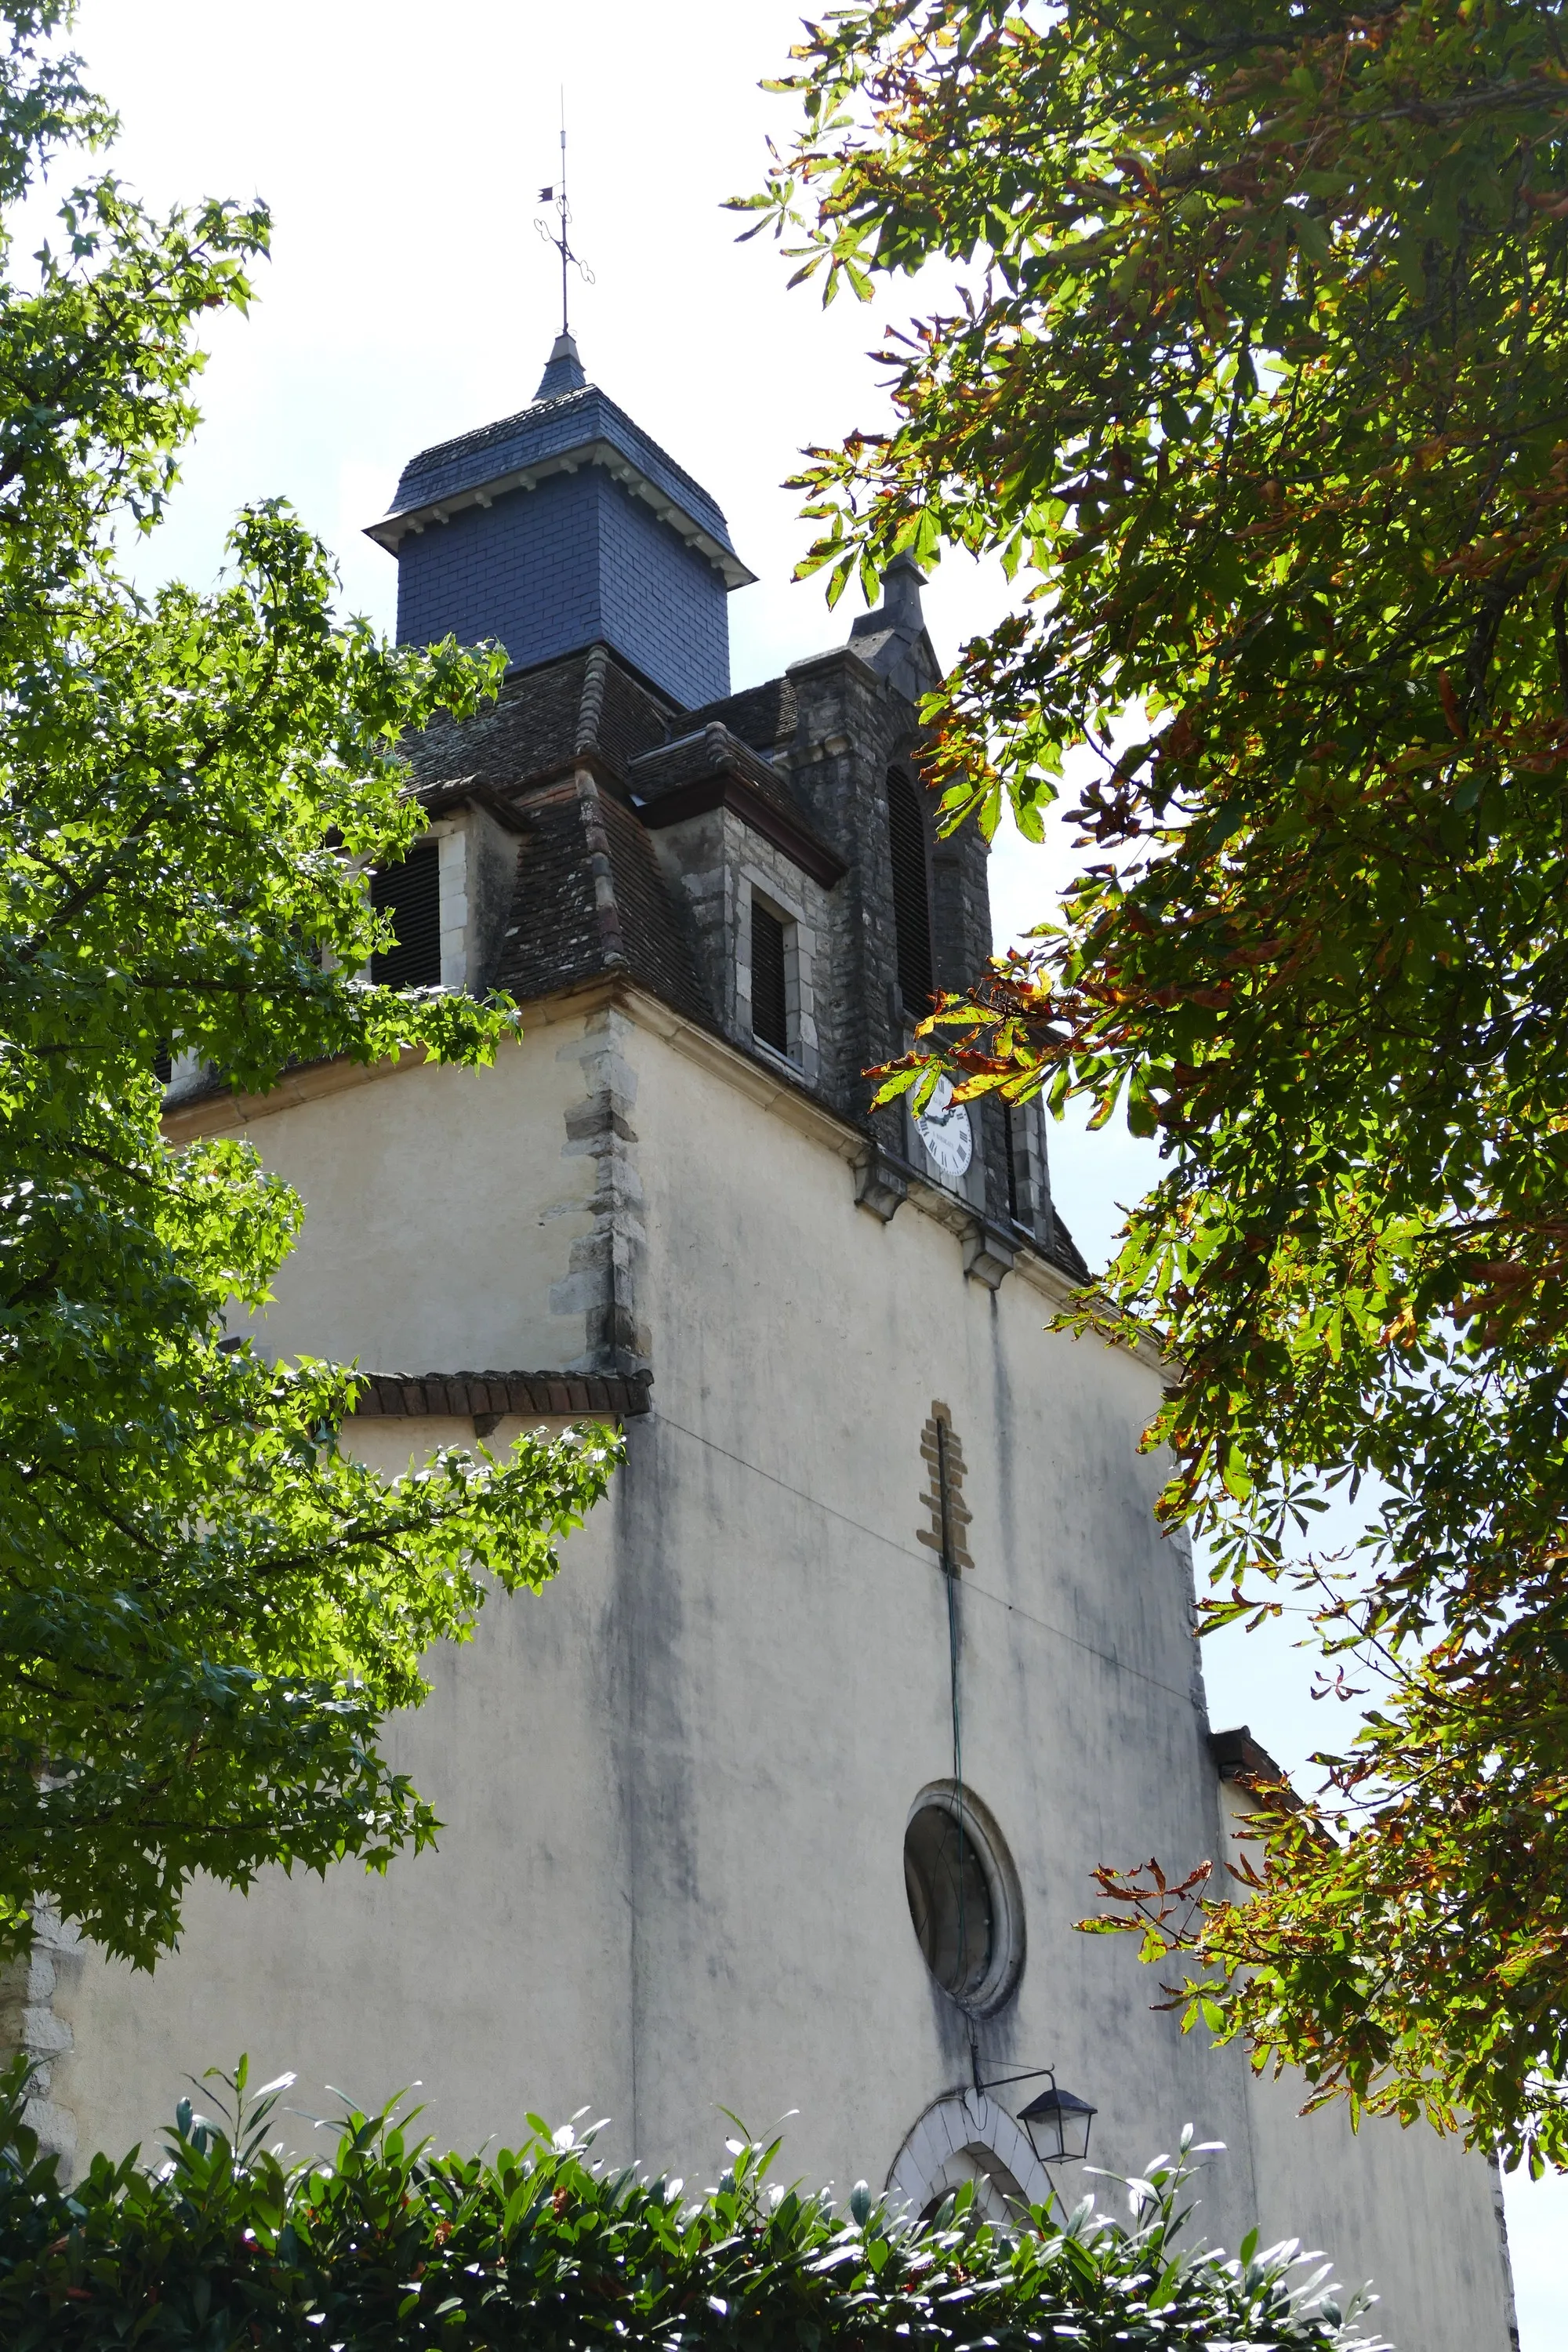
point(943, 1128)
point(966, 1905)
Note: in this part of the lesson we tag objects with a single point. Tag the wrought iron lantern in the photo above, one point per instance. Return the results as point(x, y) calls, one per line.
point(1058, 2124)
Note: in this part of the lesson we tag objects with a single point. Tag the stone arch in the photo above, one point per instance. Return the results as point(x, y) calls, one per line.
point(965, 2135)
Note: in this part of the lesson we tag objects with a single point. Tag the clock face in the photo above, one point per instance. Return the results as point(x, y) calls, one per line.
point(943, 1128)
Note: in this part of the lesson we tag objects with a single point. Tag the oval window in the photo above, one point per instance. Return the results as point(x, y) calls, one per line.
point(964, 1897)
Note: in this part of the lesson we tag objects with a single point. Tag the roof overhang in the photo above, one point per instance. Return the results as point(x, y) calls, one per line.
point(606, 1396)
point(743, 799)
point(393, 528)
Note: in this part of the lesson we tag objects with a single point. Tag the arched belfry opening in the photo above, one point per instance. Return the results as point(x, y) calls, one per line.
point(912, 894)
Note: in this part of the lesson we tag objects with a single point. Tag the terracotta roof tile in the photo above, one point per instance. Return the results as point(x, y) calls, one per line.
point(602, 1396)
point(760, 715)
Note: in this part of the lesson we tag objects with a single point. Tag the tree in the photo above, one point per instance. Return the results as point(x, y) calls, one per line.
point(541, 2247)
point(1259, 378)
point(206, 1610)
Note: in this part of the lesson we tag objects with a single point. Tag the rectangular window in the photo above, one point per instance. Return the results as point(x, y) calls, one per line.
point(770, 1000)
point(411, 895)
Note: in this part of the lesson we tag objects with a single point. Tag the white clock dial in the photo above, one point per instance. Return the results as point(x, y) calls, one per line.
point(943, 1128)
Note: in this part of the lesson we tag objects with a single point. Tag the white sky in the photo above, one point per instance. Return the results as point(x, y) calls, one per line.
point(401, 147)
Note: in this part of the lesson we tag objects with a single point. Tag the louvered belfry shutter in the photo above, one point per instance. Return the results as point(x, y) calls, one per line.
point(912, 894)
point(411, 895)
point(770, 1002)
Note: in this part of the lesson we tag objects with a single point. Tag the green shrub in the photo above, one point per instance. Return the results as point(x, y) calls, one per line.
point(383, 2244)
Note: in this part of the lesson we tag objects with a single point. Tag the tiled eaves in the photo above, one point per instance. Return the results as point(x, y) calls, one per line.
point(599, 1396)
point(462, 791)
point(704, 750)
point(741, 798)
point(1239, 1757)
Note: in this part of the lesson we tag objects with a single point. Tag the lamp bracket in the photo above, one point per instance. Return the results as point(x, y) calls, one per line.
point(1001, 2082)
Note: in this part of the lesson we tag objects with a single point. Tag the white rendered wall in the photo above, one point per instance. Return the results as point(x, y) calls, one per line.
point(675, 1784)
point(1401, 2207)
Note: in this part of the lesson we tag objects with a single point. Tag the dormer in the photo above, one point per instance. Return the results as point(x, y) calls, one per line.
point(754, 882)
point(765, 864)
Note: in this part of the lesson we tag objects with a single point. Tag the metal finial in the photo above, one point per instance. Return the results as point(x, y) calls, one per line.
point(557, 236)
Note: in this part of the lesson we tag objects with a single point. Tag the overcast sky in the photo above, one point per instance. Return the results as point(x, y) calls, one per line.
point(401, 147)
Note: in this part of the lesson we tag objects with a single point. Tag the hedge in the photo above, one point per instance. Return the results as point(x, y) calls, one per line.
point(218, 2247)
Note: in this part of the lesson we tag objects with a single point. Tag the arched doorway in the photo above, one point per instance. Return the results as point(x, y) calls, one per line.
point(965, 2135)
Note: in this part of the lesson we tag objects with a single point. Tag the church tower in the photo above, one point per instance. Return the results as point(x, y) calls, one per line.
point(784, 1798)
point(562, 528)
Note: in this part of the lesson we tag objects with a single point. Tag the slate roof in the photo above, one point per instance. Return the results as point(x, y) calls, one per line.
point(580, 761)
point(590, 900)
point(541, 723)
point(540, 439)
point(676, 779)
point(760, 715)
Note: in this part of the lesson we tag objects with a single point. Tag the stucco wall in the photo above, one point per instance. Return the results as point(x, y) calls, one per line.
point(449, 1211)
point(675, 1784)
point(1401, 2207)
point(795, 1664)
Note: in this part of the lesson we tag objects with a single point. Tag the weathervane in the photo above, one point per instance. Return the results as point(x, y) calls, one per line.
point(557, 236)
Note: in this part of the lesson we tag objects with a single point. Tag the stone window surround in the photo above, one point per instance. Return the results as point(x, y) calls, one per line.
point(451, 837)
point(455, 842)
point(1030, 1166)
point(454, 837)
point(800, 948)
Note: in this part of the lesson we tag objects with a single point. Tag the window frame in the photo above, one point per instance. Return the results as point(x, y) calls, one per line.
point(780, 923)
point(799, 1057)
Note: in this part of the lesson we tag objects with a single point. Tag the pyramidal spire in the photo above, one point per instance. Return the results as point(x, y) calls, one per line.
point(563, 370)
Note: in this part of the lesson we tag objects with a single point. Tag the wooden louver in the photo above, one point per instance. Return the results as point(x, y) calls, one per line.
point(411, 895)
point(912, 894)
point(770, 1004)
